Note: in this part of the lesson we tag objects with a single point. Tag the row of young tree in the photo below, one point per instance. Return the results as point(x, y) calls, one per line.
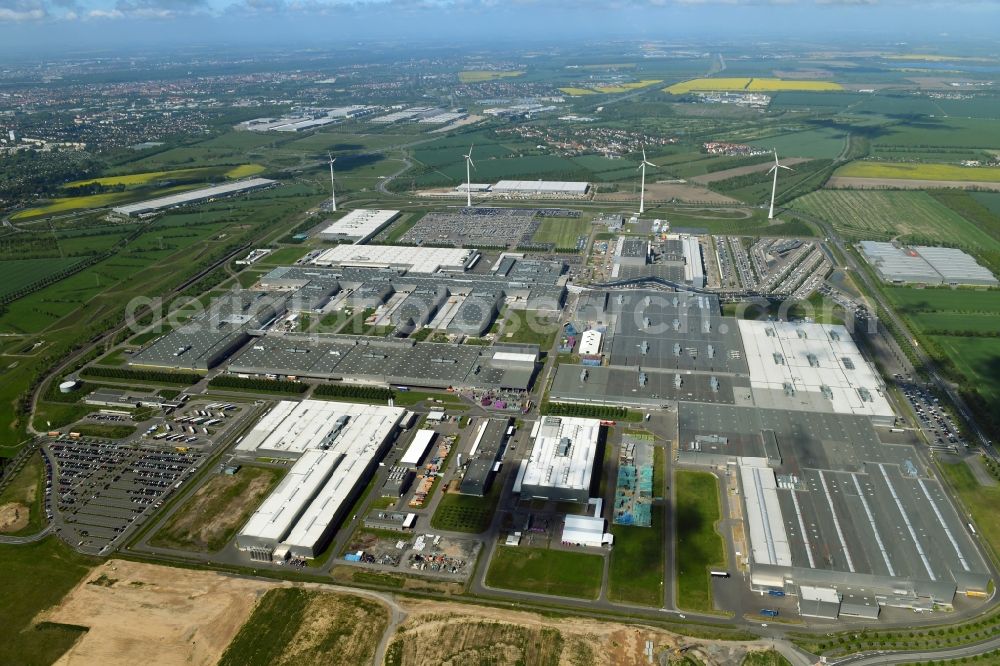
point(586, 411)
point(353, 391)
point(142, 375)
point(258, 384)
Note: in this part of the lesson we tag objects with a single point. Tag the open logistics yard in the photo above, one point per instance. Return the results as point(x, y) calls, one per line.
point(514, 356)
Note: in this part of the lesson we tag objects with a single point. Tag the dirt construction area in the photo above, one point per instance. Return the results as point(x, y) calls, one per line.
point(670, 191)
point(13, 517)
point(153, 615)
point(453, 634)
point(157, 615)
point(726, 174)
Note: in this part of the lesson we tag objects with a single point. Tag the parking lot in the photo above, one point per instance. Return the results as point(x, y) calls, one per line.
point(102, 488)
point(939, 425)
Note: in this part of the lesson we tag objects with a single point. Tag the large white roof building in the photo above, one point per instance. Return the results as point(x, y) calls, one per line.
point(338, 445)
point(816, 367)
point(411, 259)
point(541, 187)
point(359, 226)
point(562, 459)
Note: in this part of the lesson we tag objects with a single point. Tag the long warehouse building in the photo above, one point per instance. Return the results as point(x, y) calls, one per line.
point(194, 196)
point(338, 446)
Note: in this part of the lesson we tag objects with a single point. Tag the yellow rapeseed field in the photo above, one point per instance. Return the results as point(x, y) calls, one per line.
point(749, 85)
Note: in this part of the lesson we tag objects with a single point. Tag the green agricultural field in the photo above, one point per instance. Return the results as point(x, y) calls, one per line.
point(209, 518)
point(949, 322)
point(15, 274)
point(822, 143)
point(959, 327)
point(975, 133)
point(635, 574)
point(466, 513)
point(531, 327)
point(295, 626)
point(980, 501)
point(21, 568)
point(946, 172)
point(978, 359)
point(876, 215)
point(699, 546)
point(959, 302)
point(989, 200)
point(21, 501)
point(561, 232)
point(557, 572)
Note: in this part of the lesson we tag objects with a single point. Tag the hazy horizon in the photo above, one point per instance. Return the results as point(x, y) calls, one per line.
point(60, 26)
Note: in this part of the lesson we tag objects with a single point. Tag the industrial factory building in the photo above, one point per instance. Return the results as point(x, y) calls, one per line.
point(337, 447)
point(549, 187)
point(411, 259)
point(210, 338)
point(561, 463)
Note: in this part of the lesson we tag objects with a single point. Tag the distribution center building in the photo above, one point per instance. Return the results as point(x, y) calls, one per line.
point(541, 187)
point(194, 196)
point(561, 463)
point(359, 226)
point(413, 259)
point(337, 446)
point(925, 265)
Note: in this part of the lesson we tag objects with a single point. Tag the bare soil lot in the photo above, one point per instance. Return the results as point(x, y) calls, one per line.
point(13, 517)
point(666, 191)
point(446, 633)
point(153, 615)
point(725, 174)
point(850, 182)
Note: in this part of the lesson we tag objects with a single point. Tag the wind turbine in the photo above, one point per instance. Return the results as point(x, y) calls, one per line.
point(333, 191)
point(469, 166)
point(774, 185)
point(642, 188)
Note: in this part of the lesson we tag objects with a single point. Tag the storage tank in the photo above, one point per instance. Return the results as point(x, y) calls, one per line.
point(68, 386)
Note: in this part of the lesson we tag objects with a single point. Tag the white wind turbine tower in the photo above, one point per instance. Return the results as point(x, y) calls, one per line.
point(774, 185)
point(469, 166)
point(333, 192)
point(642, 187)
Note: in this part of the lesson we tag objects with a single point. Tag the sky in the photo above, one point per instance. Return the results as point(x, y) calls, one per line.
point(56, 26)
